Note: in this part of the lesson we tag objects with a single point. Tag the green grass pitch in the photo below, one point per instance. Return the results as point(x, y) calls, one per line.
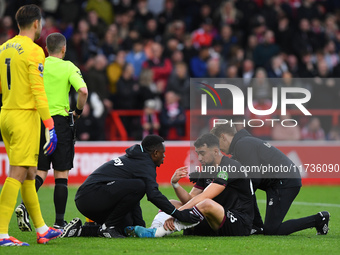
point(310, 200)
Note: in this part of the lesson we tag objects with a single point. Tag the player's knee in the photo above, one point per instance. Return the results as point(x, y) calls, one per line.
point(206, 206)
point(176, 203)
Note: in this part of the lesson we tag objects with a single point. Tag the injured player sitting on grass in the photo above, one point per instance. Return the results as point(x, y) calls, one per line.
point(222, 200)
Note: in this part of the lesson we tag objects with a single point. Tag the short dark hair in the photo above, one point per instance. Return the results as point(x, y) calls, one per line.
point(55, 42)
point(209, 139)
point(27, 14)
point(224, 129)
point(150, 143)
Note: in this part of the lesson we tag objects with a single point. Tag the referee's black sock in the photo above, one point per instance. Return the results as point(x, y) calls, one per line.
point(38, 182)
point(60, 200)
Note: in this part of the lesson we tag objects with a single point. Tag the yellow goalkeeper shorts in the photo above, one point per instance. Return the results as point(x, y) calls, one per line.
point(20, 131)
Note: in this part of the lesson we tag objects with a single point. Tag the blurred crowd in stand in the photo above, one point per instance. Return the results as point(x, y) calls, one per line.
point(140, 54)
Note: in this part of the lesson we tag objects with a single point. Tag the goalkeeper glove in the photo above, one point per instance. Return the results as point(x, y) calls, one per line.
point(51, 137)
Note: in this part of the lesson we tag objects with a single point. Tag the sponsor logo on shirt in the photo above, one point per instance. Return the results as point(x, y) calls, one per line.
point(118, 162)
point(267, 144)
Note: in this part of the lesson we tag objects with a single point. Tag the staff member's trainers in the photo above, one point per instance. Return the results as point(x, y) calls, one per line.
point(109, 232)
point(50, 234)
point(322, 224)
point(73, 229)
point(11, 241)
point(60, 226)
point(23, 219)
point(130, 231)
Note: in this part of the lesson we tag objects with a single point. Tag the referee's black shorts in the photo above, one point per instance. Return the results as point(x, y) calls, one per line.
point(62, 157)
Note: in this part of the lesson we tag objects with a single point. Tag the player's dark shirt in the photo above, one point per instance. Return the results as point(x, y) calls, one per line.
point(251, 151)
point(237, 195)
point(135, 164)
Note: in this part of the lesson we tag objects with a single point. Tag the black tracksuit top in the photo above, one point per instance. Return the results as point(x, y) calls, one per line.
point(251, 151)
point(135, 164)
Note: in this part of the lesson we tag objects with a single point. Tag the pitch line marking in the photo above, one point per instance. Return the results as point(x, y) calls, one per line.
point(307, 203)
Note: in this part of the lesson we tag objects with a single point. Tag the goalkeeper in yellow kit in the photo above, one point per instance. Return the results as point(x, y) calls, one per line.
point(24, 100)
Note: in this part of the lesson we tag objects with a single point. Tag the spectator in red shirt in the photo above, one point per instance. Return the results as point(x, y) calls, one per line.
point(160, 66)
point(150, 122)
point(313, 130)
point(204, 35)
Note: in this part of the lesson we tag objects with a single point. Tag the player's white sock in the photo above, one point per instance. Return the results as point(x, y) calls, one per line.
point(159, 219)
point(160, 232)
point(42, 229)
point(4, 236)
point(182, 225)
point(178, 225)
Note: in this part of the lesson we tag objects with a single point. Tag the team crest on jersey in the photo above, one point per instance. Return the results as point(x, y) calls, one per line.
point(223, 175)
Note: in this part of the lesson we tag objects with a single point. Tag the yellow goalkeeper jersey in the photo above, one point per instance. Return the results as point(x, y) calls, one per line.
point(21, 76)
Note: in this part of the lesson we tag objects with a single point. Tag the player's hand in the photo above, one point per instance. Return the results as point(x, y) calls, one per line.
point(51, 141)
point(75, 116)
point(169, 224)
point(186, 216)
point(179, 174)
point(194, 176)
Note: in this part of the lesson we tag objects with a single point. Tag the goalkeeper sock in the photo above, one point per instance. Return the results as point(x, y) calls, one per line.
point(30, 198)
point(8, 199)
point(159, 219)
point(38, 182)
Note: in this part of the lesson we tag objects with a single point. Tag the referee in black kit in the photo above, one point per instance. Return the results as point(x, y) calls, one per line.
point(110, 195)
point(251, 151)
